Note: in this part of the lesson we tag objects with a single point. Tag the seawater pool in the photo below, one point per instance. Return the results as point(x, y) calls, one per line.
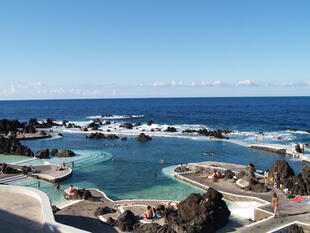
point(131, 175)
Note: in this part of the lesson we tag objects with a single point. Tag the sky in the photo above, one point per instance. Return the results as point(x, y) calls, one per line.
point(143, 48)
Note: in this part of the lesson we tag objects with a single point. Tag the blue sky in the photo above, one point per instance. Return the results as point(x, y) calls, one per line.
point(175, 48)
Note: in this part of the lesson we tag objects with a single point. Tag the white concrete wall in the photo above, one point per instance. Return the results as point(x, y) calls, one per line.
point(47, 213)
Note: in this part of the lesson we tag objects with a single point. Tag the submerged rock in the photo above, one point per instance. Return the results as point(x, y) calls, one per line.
point(143, 137)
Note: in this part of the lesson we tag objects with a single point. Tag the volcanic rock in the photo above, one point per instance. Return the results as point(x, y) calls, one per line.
point(102, 136)
point(29, 129)
point(306, 177)
point(143, 137)
point(10, 125)
point(126, 221)
point(53, 152)
point(228, 174)
point(149, 123)
point(104, 210)
point(241, 174)
point(112, 222)
point(294, 229)
point(296, 185)
point(42, 154)
point(65, 153)
point(199, 213)
point(171, 129)
point(283, 169)
point(14, 147)
point(82, 194)
point(147, 228)
point(126, 125)
point(8, 170)
point(137, 124)
point(209, 133)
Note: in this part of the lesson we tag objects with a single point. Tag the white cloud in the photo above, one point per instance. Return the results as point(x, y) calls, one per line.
point(245, 83)
point(32, 85)
point(8, 91)
point(217, 83)
point(59, 90)
point(159, 84)
point(114, 92)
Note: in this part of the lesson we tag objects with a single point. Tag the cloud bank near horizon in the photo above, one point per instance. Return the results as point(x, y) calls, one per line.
point(40, 90)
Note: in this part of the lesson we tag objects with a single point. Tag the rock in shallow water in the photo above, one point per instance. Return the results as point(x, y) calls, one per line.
point(143, 137)
point(65, 153)
point(14, 147)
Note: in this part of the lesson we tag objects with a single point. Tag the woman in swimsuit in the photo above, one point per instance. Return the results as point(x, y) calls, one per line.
point(275, 203)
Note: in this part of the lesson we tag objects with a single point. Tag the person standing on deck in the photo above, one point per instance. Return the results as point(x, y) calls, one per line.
point(275, 204)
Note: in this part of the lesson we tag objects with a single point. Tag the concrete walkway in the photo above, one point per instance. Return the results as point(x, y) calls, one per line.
point(49, 173)
point(21, 209)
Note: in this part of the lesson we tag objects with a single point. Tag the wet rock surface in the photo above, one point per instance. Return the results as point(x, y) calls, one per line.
point(65, 153)
point(102, 136)
point(127, 125)
point(209, 133)
point(143, 137)
point(14, 147)
point(171, 129)
point(42, 154)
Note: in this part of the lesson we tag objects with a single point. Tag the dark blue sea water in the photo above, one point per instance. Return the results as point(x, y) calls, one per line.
point(132, 174)
point(246, 114)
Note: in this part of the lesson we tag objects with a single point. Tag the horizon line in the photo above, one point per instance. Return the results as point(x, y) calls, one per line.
point(185, 97)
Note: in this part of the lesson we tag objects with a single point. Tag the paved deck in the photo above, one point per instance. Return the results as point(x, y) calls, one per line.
point(281, 149)
point(21, 209)
point(289, 210)
point(49, 173)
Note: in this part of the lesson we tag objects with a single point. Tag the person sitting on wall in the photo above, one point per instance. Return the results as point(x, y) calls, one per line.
point(71, 190)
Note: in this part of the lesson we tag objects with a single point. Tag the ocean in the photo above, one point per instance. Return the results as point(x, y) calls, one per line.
point(131, 175)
